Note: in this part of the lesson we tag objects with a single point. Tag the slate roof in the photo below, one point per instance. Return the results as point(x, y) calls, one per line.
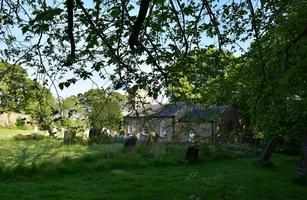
point(203, 114)
point(157, 110)
point(144, 111)
point(185, 112)
point(170, 110)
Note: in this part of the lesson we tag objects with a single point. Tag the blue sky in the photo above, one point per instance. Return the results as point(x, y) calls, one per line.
point(83, 85)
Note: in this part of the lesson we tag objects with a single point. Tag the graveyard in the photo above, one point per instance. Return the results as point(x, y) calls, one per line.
point(48, 169)
point(174, 100)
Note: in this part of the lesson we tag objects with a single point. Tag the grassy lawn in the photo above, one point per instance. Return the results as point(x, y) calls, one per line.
point(46, 169)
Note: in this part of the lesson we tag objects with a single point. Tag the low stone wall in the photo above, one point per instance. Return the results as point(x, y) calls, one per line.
point(10, 118)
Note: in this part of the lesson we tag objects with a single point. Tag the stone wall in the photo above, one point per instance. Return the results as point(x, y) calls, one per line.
point(9, 119)
point(178, 131)
point(144, 125)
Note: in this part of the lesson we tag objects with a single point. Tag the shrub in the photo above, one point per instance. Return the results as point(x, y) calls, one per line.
point(101, 139)
point(20, 123)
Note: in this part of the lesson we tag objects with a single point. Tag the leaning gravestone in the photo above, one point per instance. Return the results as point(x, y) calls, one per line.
point(301, 173)
point(130, 142)
point(69, 136)
point(192, 154)
point(268, 151)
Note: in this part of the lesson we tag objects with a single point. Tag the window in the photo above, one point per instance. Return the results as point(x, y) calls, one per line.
point(130, 127)
point(143, 132)
point(162, 128)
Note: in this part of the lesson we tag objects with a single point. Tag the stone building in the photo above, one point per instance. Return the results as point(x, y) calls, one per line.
point(177, 121)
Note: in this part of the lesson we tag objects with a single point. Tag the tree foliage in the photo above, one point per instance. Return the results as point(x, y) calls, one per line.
point(22, 94)
point(103, 109)
point(13, 86)
point(170, 47)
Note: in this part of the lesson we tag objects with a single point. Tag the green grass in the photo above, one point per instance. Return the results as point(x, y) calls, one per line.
point(46, 169)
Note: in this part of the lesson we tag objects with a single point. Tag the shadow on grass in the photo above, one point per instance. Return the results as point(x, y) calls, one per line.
point(48, 158)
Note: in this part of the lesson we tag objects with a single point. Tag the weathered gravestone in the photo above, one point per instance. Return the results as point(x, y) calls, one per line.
point(121, 133)
point(69, 136)
point(63, 132)
point(86, 132)
point(94, 132)
point(301, 173)
point(192, 154)
point(130, 142)
point(268, 151)
point(35, 131)
point(99, 136)
point(54, 132)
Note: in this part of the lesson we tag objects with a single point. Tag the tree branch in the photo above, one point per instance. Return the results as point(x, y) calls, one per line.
point(70, 29)
point(136, 28)
point(214, 23)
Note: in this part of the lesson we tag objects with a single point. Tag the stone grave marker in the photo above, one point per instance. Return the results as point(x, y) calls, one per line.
point(69, 136)
point(35, 131)
point(87, 133)
point(130, 142)
point(192, 154)
point(54, 132)
point(63, 132)
point(94, 132)
point(268, 151)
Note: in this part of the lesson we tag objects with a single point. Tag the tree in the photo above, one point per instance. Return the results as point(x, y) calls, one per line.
point(204, 76)
point(69, 112)
point(13, 87)
point(145, 47)
point(22, 94)
point(103, 108)
point(274, 75)
point(71, 105)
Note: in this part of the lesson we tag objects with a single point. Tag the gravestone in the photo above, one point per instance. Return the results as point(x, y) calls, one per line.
point(69, 136)
point(130, 142)
point(63, 132)
point(98, 136)
point(301, 172)
point(87, 133)
point(150, 139)
point(192, 154)
point(121, 133)
point(268, 151)
point(94, 132)
point(35, 131)
point(54, 132)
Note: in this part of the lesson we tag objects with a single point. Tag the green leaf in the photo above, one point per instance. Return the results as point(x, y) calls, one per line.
point(67, 84)
point(48, 14)
point(25, 29)
point(61, 86)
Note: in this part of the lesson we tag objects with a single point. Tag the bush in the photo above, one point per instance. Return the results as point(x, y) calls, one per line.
point(101, 139)
point(20, 123)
